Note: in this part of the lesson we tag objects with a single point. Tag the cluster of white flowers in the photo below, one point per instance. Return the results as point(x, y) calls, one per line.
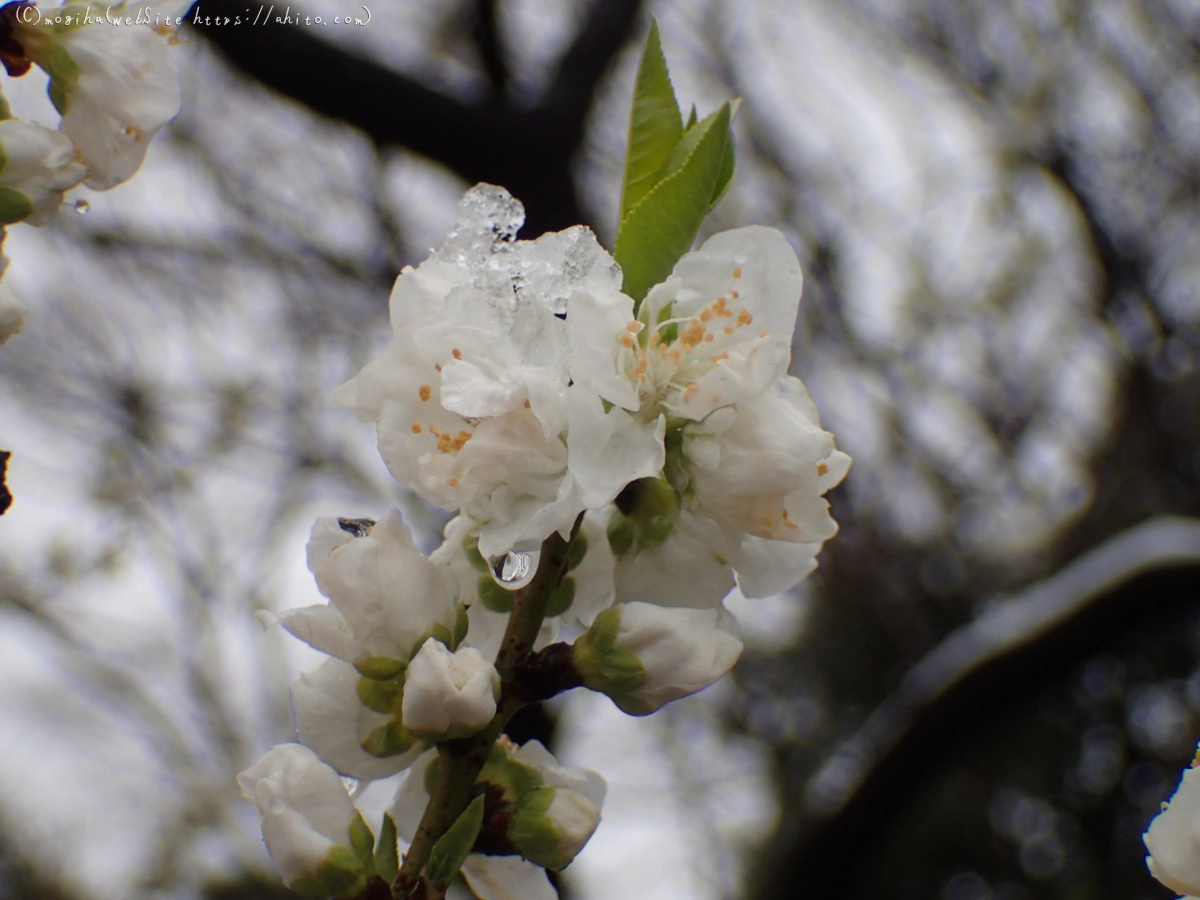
point(524, 391)
point(114, 86)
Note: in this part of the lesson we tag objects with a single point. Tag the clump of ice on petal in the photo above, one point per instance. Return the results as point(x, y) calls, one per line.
point(489, 218)
point(559, 262)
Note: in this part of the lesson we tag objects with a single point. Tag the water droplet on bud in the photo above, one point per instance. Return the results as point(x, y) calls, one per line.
point(82, 207)
point(515, 569)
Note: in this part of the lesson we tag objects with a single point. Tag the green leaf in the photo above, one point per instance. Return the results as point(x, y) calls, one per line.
point(655, 125)
point(728, 163)
point(361, 839)
point(661, 228)
point(451, 849)
point(387, 852)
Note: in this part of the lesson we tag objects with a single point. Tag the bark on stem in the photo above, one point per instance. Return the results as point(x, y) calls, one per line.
point(461, 760)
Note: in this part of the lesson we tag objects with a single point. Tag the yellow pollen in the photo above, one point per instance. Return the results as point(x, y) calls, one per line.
point(693, 334)
point(423, 392)
point(744, 318)
point(822, 468)
point(627, 340)
point(416, 428)
point(737, 272)
point(456, 353)
point(453, 482)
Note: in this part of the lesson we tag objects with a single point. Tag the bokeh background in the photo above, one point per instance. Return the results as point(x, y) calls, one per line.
point(993, 679)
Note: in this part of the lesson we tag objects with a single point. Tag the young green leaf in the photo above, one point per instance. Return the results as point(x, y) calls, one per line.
point(655, 125)
point(661, 228)
point(452, 848)
point(728, 164)
point(387, 852)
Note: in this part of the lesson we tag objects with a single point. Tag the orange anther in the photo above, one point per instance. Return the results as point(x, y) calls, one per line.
point(416, 427)
point(453, 482)
point(744, 317)
point(728, 329)
point(737, 271)
point(527, 406)
point(456, 353)
point(423, 392)
point(627, 340)
point(733, 294)
point(438, 366)
point(719, 357)
point(634, 327)
point(822, 468)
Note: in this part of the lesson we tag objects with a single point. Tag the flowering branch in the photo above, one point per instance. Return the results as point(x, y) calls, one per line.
point(634, 420)
point(462, 760)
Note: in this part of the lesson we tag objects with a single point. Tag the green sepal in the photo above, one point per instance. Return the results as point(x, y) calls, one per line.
point(561, 597)
point(652, 505)
point(380, 668)
point(14, 206)
point(362, 841)
point(441, 634)
point(661, 227)
point(513, 777)
point(64, 74)
point(341, 874)
point(655, 126)
point(387, 851)
point(390, 739)
point(577, 550)
point(453, 847)
point(532, 833)
point(381, 696)
point(603, 666)
point(620, 534)
point(461, 625)
point(691, 119)
point(474, 557)
point(492, 596)
point(5, 113)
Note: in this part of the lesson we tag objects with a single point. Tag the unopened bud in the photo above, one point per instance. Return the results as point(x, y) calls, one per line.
point(644, 656)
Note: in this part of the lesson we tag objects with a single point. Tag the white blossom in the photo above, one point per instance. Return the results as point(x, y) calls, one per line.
point(471, 401)
point(449, 695)
point(36, 166)
point(644, 656)
point(386, 597)
point(352, 737)
point(12, 314)
point(305, 809)
point(709, 349)
point(115, 88)
point(506, 878)
point(1173, 837)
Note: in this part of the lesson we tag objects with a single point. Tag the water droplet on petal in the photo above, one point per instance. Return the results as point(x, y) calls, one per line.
point(515, 569)
point(82, 207)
